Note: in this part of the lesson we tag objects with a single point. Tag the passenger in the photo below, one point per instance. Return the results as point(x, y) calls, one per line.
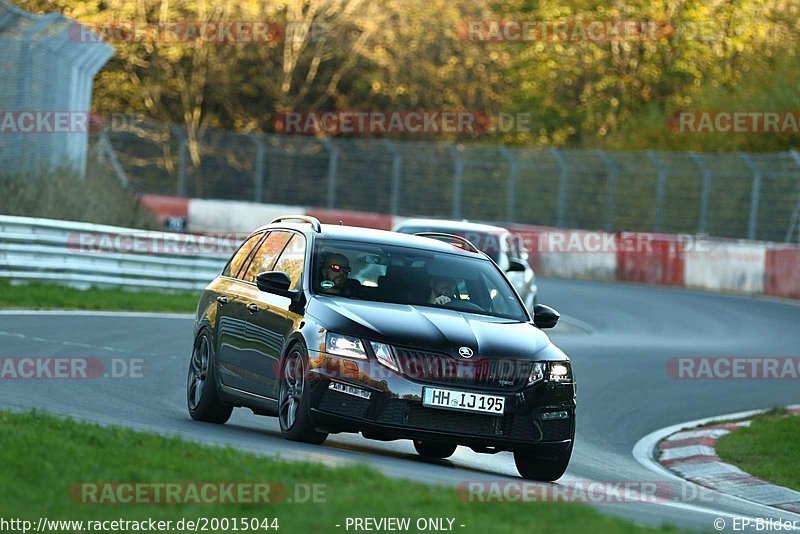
point(443, 290)
point(334, 270)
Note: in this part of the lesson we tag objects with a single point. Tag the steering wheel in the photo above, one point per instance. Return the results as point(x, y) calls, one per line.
point(463, 305)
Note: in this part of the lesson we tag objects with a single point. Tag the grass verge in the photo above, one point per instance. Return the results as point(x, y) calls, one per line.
point(43, 296)
point(62, 194)
point(43, 457)
point(769, 448)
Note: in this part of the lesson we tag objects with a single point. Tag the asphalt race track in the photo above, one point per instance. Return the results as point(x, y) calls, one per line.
point(624, 389)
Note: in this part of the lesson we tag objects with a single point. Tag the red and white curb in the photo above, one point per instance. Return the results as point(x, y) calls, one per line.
point(690, 453)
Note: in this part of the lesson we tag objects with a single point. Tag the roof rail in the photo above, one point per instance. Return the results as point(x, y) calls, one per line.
point(313, 221)
point(460, 242)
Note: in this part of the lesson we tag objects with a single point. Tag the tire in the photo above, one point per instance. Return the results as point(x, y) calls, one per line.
point(433, 449)
point(293, 399)
point(202, 396)
point(541, 469)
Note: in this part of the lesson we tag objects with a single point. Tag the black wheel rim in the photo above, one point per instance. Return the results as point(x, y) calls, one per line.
point(198, 372)
point(292, 385)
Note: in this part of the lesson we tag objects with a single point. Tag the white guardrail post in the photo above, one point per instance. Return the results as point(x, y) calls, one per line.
point(91, 255)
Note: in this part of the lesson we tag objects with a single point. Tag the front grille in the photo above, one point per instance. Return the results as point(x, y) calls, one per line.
point(452, 421)
point(437, 368)
point(520, 427)
point(412, 414)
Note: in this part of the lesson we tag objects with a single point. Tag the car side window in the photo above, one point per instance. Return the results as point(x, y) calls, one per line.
point(293, 260)
point(264, 258)
point(238, 259)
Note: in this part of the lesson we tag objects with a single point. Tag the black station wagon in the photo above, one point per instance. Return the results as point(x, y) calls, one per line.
point(422, 337)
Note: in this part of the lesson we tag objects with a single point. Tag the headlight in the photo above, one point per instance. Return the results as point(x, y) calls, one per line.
point(537, 372)
point(559, 372)
point(384, 354)
point(349, 347)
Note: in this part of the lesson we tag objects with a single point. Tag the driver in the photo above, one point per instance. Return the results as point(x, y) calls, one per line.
point(334, 270)
point(443, 290)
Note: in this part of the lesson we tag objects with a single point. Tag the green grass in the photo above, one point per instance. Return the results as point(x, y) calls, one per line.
point(42, 296)
point(43, 457)
point(769, 448)
point(62, 194)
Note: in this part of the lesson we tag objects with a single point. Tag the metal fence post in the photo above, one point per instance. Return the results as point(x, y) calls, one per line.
point(562, 186)
point(705, 193)
point(511, 187)
point(794, 220)
point(333, 166)
point(661, 187)
point(458, 177)
point(397, 166)
point(755, 195)
point(258, 172)
point(611, 198)
point(106, 150)
point(183, 156)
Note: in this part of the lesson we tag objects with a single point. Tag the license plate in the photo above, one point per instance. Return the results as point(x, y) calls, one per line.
point(449, 399)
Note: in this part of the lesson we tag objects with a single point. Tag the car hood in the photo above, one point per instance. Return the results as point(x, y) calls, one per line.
point(434, 329)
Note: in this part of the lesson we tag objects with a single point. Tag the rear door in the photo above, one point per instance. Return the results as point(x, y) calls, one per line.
point(230, 319)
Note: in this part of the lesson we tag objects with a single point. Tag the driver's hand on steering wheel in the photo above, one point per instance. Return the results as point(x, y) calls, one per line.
point(441, 300)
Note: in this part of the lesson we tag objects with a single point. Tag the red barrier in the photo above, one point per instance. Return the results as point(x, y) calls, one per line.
point(656, 260)
point(164, 206)
point(782, 272)
point(352, 218)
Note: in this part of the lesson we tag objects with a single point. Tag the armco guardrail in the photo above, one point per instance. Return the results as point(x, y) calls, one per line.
point(87, 255)
point(91, 255)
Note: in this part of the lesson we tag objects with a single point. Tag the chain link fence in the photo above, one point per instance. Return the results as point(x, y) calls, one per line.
point(46, 75)
point(737, 195)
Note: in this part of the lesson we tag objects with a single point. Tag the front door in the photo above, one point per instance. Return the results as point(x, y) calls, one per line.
point(263, 339)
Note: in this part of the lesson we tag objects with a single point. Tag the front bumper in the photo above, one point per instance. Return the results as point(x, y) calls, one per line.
point(394, 409)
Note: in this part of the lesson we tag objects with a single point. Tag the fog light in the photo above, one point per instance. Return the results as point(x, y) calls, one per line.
point(349, 390)
point(549, 416)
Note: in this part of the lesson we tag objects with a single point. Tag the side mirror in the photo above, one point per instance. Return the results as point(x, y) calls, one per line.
point(277, 283)
point(516, 265)
point(545, 316)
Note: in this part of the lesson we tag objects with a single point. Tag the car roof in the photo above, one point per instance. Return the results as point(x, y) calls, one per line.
point(452, 226)
point(370, 235)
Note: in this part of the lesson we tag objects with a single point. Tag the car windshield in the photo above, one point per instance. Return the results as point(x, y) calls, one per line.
point(407, 275)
